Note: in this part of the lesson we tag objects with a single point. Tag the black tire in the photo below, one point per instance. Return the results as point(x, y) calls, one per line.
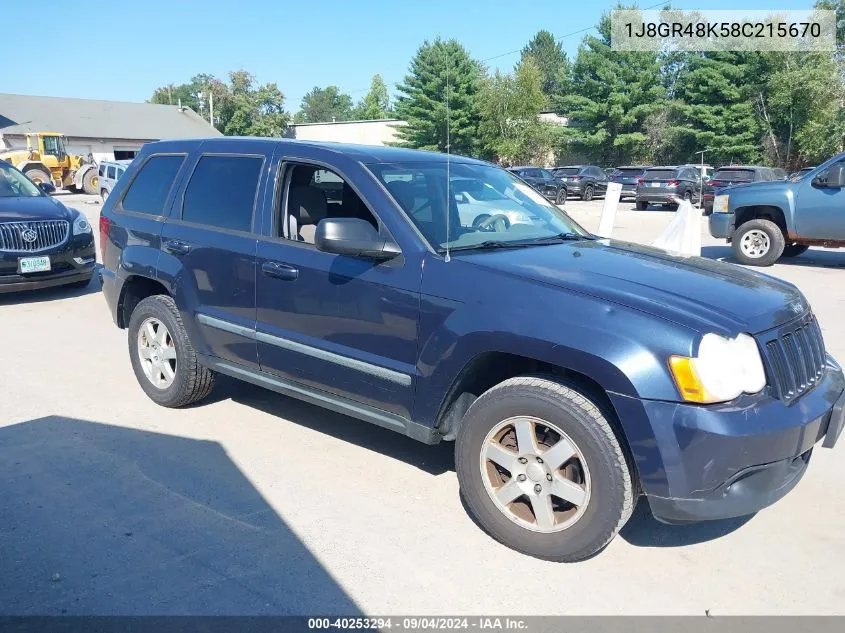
point(90, 182)
point(588, 193)
point(561, 196)
point(776, 242)
point(642, 205)
point(794, 250)
point(192, 381)
point(613, 493)
point(38, 176)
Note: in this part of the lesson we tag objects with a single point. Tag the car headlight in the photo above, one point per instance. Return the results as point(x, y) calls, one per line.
point(723, 369)
point(720, 204)
point(81, 226)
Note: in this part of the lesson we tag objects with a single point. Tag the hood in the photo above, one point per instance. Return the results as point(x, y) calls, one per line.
point(33, 208)
point(702, 294)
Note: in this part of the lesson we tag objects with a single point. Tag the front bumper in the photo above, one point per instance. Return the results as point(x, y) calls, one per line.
point(63, 260)
point(733, 459)
point(721, 224)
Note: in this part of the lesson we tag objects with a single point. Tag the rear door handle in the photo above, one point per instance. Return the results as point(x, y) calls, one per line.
point(279, 271)
point(178, 247)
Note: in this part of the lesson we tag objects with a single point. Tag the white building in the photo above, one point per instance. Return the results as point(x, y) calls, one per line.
point(110, 130)
point(378, 132)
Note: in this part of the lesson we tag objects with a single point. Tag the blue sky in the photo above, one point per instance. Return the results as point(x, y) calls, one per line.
point(124, 50)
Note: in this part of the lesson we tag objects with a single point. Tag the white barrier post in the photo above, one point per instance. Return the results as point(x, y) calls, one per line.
point(608, 211)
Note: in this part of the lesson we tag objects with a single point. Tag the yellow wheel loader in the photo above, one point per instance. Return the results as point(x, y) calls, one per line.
point(45, 159)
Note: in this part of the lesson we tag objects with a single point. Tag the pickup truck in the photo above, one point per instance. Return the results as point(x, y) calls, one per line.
point(574, 374)
point(764, 221)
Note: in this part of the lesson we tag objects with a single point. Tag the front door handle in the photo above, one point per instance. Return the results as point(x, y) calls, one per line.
point(178, 247)
point(279, 271)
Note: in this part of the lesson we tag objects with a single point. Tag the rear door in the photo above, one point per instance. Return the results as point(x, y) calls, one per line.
point(820, 211)
point(601, 180)
point(209, 245)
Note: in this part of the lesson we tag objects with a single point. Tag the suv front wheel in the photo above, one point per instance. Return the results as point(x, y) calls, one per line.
point(758, 243)
point(542, 471)
point(163, 359)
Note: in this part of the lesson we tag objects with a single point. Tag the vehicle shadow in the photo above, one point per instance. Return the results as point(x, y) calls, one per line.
point(97, 519)
point(49, 294)
point(643, 530)
point(813, 258)
point(434, 460)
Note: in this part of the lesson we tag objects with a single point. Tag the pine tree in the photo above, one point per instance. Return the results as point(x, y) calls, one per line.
point(422, 99)
point(611, 96)
point(551, 60)
point(375, 104)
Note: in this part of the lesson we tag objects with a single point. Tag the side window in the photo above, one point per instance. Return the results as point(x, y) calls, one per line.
point(545, 174)
point(221, 192)
point(313, 194)
point(102, 171)
point(112, 172)
point(148, 191)
point(120, 172)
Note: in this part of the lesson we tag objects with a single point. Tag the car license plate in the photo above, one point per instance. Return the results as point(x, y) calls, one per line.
point(655, 184)
point(33, 264)
point(720, 204)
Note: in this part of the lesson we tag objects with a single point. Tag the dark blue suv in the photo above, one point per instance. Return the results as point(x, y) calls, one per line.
point(576, 374)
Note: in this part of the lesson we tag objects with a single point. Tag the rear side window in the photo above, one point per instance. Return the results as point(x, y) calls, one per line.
point(148, 192)
point(111, 172)
point(221, 192)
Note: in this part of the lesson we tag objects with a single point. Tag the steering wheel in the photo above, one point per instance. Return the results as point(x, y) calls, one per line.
point(495, 223)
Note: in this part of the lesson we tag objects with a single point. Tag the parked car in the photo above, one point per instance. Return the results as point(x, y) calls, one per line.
point(628, 176)
point(543, 181)
point(478, 202)
point(42, 242)
point(664, 376)
point(609, 171)
point(584, 181)
point(765, 221)
point(800, 173)
point(665, 185)
point(109, 172)
point(778, 173)
point(733, 175)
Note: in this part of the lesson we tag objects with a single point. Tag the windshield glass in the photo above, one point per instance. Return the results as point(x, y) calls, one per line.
point(13, 184)
point(659, 174)
point(515, 213)
point(735, 175)
point(628, 173)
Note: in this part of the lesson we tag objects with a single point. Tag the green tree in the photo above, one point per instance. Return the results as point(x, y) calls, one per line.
point(551, 60)
point(611, 95)
point(375, 104)
point(717, 112)
point(510, 106)
point(423, 95)
point(325, 104)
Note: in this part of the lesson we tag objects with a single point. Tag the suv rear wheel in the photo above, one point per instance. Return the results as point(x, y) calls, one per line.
point(162, 356)
point(758, 243)
point(542, 471)
point(588, 193)
point(642, 205)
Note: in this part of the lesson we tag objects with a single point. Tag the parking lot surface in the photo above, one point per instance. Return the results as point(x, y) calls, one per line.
point(255, 503)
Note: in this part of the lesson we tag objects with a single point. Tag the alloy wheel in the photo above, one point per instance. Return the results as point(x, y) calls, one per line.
point(157, 353)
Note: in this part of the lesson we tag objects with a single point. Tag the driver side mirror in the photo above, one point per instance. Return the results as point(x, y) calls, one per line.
point(47, 187)
point(833, 178)
point(354, 237)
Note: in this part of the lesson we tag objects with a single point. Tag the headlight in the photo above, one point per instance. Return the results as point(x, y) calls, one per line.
point(723, 369)
point(81, 226)
point(720, 204)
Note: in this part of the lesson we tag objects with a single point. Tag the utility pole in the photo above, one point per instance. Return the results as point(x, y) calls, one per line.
point(701, 180)
point(211, 108)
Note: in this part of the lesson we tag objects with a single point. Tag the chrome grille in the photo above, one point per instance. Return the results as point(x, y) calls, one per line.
point(795, 359)
point(17, 236)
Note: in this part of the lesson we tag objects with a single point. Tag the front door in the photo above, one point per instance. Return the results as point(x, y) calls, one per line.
point(343, 325)
point(819, 210)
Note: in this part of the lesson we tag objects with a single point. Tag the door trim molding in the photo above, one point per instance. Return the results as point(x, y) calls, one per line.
point(378, 371)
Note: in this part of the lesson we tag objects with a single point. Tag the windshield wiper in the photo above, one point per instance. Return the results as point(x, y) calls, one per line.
point(561, 237)
point(489, 245)
point(538, 241)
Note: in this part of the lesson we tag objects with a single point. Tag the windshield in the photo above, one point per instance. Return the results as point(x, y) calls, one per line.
point(628, 173)
point(567, 171)
point(13, 184)
point(735, 175)
point(525, 216)
point(659, 174)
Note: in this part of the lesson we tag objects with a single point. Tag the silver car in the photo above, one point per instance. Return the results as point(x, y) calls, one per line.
point(109, 172)
point(478, 202)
